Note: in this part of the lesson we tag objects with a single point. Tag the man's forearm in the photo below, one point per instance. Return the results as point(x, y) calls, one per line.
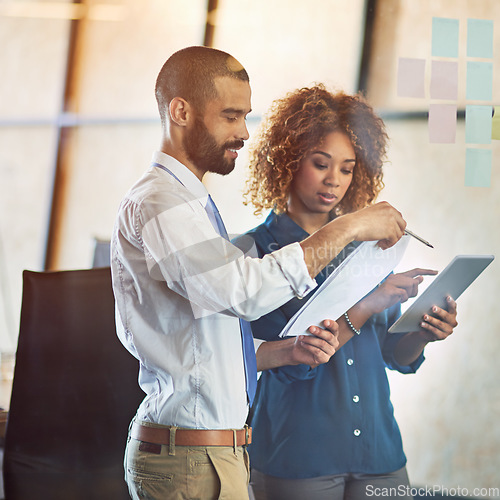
point(380, 222)
point(274, 354)
point(324, 245)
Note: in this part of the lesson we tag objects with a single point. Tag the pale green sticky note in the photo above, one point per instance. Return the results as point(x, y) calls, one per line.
point(480, 38)
point(495, 124)
point(478, 124)
point(478, 167)
point(444, 37)
point(479, 86)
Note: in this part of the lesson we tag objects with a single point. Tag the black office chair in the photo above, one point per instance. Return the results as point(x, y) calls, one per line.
point(74, 392)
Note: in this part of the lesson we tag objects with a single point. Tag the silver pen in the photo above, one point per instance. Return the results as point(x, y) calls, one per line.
point(407, 231)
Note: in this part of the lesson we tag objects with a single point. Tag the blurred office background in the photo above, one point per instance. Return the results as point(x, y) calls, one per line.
point(78, 125)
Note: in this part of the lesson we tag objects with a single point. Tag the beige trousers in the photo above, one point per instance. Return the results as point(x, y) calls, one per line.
point(158, 472)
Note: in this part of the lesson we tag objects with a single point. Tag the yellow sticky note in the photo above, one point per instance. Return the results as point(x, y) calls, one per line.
point(495, 125)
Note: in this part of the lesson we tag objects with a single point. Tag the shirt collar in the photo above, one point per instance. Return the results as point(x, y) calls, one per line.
point(188, 179)
point(284, 230)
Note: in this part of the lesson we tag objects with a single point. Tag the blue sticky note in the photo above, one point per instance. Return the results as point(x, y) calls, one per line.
point(479, 81)
point(479, 38)
point(478, 167)
point(478, 124)
point(444, 37)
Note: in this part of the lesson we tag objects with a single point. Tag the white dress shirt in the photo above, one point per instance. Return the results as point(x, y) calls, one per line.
point(180, 288)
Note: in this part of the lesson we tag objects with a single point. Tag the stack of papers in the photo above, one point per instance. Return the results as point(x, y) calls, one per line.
point(355, 277)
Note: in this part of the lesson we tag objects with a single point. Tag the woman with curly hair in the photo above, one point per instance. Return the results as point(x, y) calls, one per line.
point(328, 431)
point(300, 121)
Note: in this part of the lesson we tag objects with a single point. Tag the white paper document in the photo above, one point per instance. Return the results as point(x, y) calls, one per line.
point(356, 276)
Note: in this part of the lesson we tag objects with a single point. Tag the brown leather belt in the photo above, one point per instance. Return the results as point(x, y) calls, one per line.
point(191, 437)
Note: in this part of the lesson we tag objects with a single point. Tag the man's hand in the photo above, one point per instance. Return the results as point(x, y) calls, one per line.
point(318, 348)
point(380, 222)
point(311, 350)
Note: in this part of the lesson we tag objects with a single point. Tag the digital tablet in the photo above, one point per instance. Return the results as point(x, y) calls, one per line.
point(452, 280)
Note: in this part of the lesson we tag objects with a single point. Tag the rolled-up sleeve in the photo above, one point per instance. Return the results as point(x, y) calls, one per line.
point(183, 249)
point(291, 261)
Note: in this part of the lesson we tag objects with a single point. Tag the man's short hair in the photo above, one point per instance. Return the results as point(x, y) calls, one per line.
point(190, 73)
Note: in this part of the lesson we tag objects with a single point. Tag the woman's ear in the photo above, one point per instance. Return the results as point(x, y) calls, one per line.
point(179, 111)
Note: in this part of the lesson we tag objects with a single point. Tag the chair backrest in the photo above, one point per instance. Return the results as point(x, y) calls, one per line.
point(74, 391)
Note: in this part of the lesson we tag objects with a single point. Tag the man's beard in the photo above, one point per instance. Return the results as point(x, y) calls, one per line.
point(203, 150)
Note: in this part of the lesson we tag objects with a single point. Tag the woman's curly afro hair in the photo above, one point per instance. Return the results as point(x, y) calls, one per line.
point(297, 124)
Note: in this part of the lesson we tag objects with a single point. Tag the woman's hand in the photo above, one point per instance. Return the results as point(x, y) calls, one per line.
point(396, 288)
point(432, 328)
point(441, 324)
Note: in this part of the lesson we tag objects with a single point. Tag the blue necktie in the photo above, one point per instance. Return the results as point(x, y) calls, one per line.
point(246, 331)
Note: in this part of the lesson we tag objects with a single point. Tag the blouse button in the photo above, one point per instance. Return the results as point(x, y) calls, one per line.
point(355, 398)
point(350, 361)
point(357, 432)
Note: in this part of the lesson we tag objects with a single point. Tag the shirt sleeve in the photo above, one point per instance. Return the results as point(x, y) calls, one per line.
point(390, 342)
point(289, 374)
point(183, 249)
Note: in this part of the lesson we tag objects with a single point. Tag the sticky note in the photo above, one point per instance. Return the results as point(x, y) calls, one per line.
point(479, 81)
point(495, 124)
point(444, 80)
point(442, 123)
point(411, 75)
point(480, 38)
point(478, 124)
point(478, 167)
point(444, 37)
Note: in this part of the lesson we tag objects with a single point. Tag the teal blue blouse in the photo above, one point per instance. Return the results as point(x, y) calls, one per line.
point(338, 417)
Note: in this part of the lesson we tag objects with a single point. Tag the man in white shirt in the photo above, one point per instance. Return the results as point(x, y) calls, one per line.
point(181, 288)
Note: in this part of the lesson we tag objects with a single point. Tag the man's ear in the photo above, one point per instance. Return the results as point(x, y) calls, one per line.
point(180, 111)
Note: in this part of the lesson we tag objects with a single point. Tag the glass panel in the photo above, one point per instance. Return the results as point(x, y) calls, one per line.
point(32, 59)
point(26, 158)
point(120, 60)
point(403, 29)
point(103, 163)
point(285, 45)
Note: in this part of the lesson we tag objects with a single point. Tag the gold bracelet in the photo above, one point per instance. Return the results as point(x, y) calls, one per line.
point(357, 332)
